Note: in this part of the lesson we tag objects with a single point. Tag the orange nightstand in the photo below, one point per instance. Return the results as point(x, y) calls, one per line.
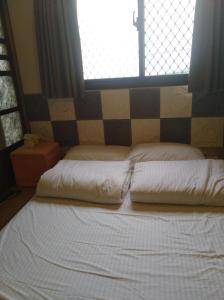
point(30, 163)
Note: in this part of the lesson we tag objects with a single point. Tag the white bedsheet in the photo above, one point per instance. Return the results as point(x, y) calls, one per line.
point(63, 249)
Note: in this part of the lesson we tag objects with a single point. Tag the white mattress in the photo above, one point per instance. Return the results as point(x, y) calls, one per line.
point(63, 249)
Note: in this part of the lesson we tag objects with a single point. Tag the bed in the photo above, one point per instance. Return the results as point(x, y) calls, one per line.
point(55, 248)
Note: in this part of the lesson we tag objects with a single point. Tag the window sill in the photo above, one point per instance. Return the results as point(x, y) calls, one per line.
point(134, 82)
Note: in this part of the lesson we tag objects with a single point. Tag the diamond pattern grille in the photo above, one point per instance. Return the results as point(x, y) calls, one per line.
point(168, 36)
point(109, 40)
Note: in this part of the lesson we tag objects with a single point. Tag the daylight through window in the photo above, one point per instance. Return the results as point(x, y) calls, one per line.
point(158, 44)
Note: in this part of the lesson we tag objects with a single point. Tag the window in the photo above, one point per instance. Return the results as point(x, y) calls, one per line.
point(10, 122)
point(109, 40)
point(159, 43)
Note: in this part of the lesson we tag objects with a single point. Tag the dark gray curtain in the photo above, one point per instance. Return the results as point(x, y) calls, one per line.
point(59, 48)
point(207, 58)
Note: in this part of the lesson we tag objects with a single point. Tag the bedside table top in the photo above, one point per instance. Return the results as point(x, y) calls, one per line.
point(41, 148)
point(213, 153)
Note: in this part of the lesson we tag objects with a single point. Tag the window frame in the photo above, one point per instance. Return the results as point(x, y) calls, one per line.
point(13, 73)
point(141, 80)
point(135, 82)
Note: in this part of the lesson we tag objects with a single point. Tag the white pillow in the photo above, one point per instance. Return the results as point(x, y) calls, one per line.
point(94, 181)
point(179, 182)
point(98, 152)
point(164, 151)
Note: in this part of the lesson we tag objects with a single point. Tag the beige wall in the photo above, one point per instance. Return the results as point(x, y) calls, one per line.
point(23, 27)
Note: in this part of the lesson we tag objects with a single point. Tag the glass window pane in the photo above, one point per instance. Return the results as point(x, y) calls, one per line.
point(2, 140)
point(7, 93)
point(1, 30)
point(108, 38)
point(12, 129)
point(168, 36)
point(4, 65)
point(3, 50)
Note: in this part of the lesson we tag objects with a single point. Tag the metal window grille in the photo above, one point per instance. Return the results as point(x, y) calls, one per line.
point(108, 39)
point(113, 48)
point(168, 36)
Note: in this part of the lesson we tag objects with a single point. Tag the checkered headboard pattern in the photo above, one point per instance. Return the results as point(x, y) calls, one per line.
point(129, 116)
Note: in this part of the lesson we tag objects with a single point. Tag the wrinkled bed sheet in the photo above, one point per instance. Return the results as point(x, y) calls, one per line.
point(63, 249)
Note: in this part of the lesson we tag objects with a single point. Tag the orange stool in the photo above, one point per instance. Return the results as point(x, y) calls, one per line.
point(30, 163)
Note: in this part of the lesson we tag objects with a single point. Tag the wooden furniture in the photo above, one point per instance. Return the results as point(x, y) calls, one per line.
point(213, 153)
point(13, 204)
point(30, 163)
